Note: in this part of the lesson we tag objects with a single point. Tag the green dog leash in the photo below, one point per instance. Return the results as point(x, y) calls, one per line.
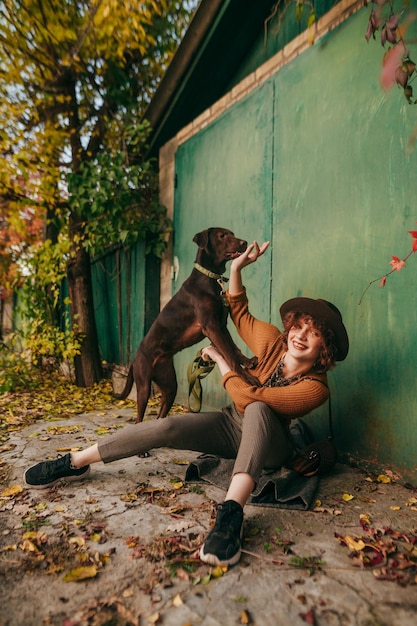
point(197, 370)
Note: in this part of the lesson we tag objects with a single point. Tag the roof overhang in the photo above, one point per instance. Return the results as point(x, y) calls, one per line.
point(216, 41)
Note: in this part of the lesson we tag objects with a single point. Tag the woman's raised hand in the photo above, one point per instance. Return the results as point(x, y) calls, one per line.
point(251, 254)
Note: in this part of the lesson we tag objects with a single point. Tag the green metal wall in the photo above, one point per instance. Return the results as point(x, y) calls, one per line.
point(119, 302)
point(316, 160)
point(222, 174)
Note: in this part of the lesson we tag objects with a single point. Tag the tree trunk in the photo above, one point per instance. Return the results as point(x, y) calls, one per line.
point(1, 316)
point(51, 234)
point(87, 365)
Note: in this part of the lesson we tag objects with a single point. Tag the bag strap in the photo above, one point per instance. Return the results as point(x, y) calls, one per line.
point(330, 418)
point(330, 437)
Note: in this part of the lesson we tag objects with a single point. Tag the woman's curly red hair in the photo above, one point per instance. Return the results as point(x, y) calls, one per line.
point(326, 360)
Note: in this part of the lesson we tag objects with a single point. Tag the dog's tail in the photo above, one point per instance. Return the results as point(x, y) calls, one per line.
point(127, 388)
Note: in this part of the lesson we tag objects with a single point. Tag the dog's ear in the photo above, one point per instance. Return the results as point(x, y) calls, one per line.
point(202, 239)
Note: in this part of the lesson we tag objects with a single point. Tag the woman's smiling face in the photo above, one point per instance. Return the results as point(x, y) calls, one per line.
point(305, 341)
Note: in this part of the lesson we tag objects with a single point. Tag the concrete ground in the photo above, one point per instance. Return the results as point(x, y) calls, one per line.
point(120, 547)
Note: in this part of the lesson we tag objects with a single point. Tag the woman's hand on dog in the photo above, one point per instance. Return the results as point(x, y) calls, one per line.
point(210, 352)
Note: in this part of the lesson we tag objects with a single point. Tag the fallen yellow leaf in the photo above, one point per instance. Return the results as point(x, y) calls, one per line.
point(205, 580)
point(129, 497)
point(177, 601)
point(10, 548)
point(127, 593)
point(383, 478)
point(79, 541)
point(347, 497)
point(244, 617)
point(218, 571)
point(179, 462)
point(364, 517)
point(103, 430)
point(80, 573)
point(326, 509)
point(28, 546)
point(12, 491)
point(353, 544)
point(395, 508)
point(36, 535)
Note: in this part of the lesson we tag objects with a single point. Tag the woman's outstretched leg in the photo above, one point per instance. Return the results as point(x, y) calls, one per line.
point(212, 433)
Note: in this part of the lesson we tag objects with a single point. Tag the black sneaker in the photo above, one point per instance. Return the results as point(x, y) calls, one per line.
point(222, 546)
point(48, 473)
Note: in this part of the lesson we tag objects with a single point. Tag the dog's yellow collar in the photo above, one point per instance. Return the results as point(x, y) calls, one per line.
point(210, 274)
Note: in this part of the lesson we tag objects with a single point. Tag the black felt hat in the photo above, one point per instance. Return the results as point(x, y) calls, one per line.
point(326, 311)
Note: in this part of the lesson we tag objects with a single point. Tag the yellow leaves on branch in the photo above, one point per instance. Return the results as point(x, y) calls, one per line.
point(117, 21)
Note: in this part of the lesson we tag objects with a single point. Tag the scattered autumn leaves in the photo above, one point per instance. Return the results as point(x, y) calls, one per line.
point(69, 552)
point(55, 397)
point(391, 554)
point(72, 548)
point(76, 552)
point(77, 549)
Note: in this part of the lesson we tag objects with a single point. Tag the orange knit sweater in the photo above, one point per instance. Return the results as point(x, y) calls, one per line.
point(265, 342)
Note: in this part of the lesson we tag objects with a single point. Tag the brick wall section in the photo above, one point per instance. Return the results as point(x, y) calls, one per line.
point(166, 198)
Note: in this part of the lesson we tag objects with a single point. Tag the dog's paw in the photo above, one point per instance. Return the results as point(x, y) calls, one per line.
point(253, 362)
point(248, 363)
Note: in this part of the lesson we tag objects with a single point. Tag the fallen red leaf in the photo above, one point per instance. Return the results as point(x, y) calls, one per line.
point(309, 617)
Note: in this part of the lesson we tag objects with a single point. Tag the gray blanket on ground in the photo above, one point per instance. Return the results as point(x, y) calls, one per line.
point(281, 488)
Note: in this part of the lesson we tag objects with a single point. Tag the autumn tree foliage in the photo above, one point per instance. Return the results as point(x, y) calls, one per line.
point(19, 230)
point(75, 79)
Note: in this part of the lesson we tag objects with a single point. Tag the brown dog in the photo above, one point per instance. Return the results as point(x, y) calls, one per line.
point(197, 310)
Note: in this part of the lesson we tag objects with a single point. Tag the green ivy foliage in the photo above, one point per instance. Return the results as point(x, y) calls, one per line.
point(116, 196)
